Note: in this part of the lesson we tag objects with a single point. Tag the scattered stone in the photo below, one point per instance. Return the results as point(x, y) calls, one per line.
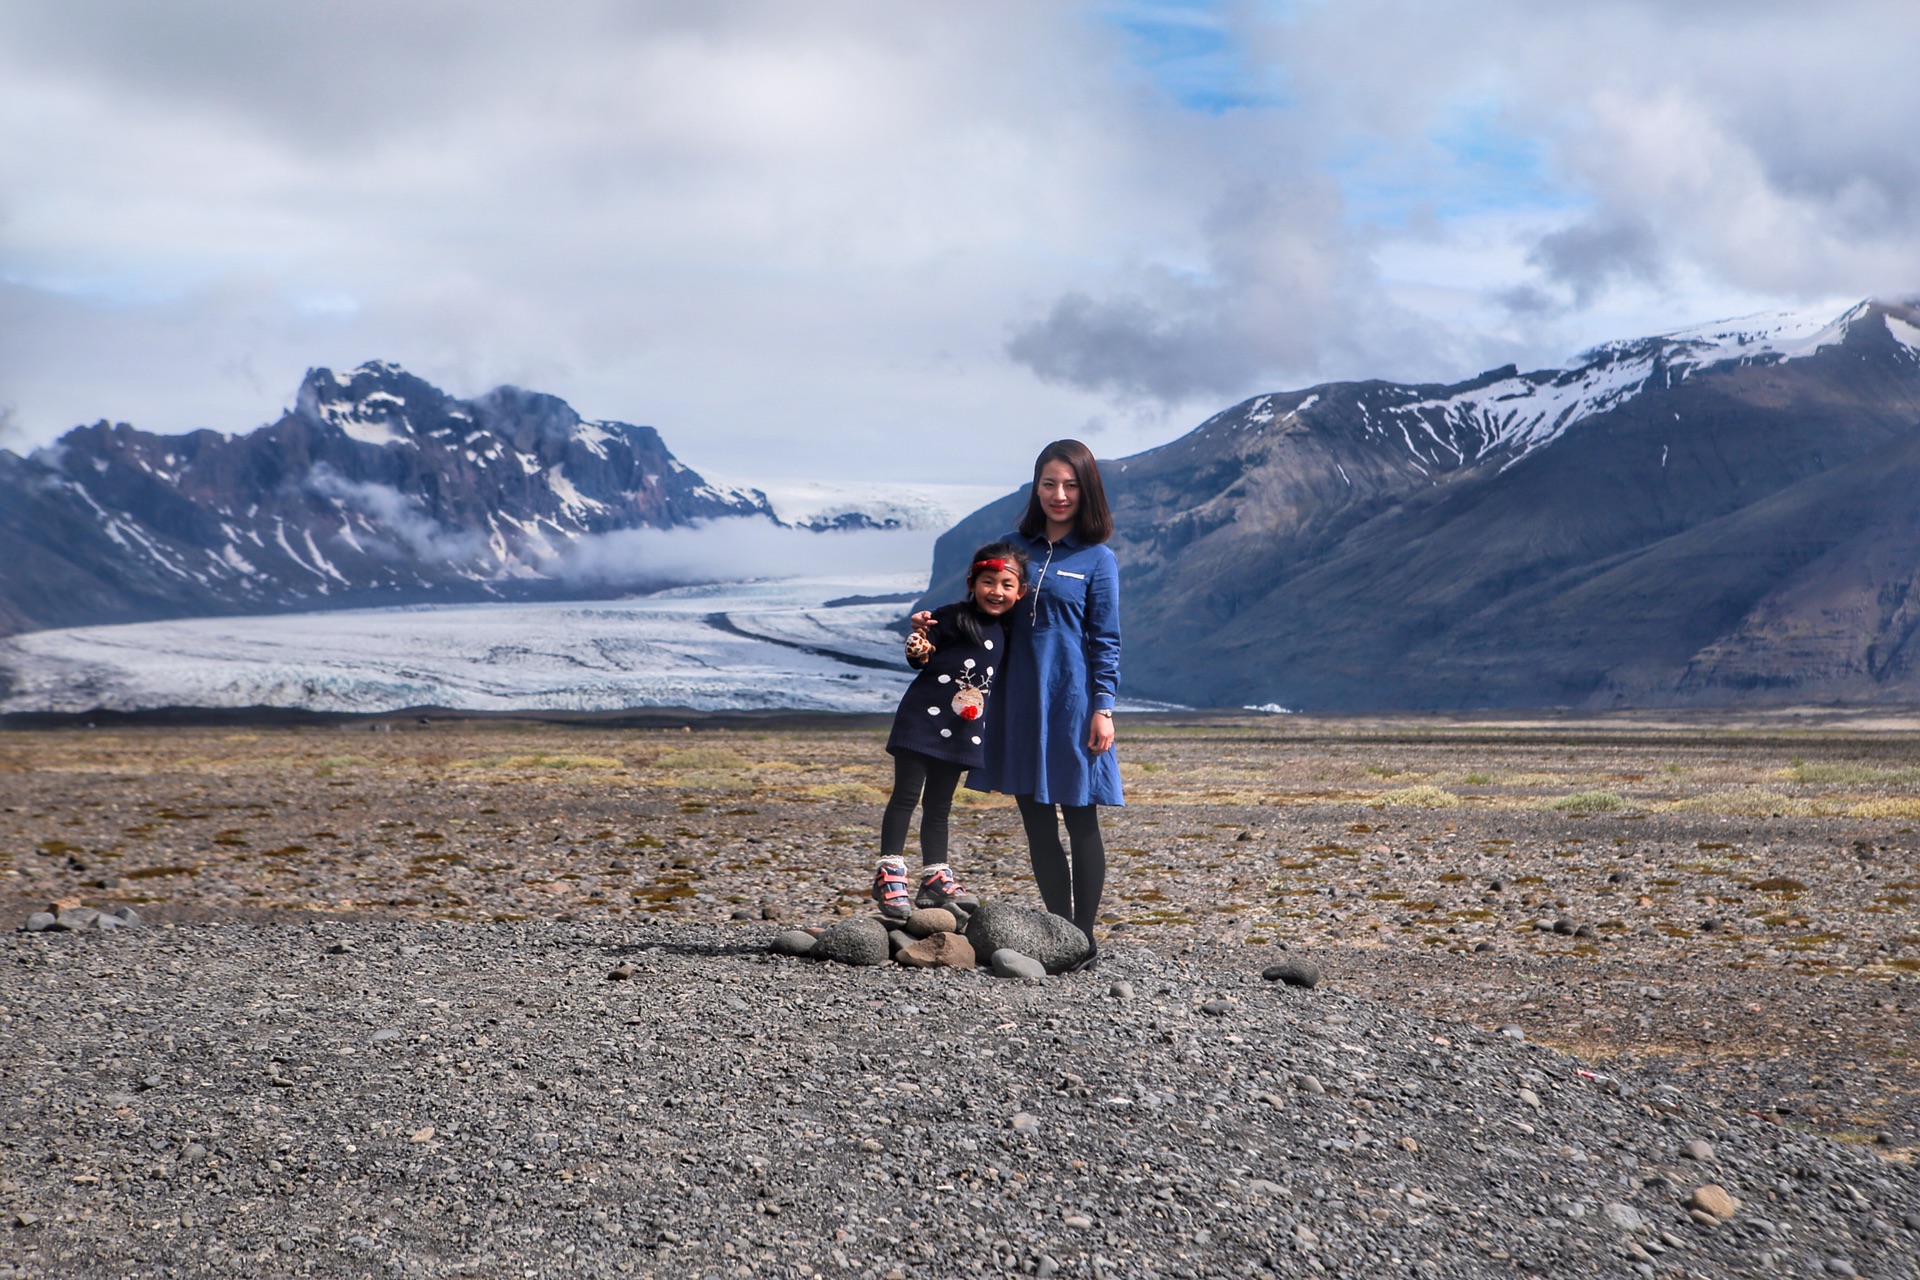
point(938, 951)
point(1041, 936)
point(620, 973)
point(930, 920)
point(1309, 1084)
point(1563, 926)
point(385, 1034)
point(1408, 1145)
point(1122, 990)
point(744, 913)
point(1025, 1123)
point(1008, 963)
point(1713, 1199)
point(1698, 1149)
point(860, 941)
point(870, 1145)
point(792, 942)
point(898, 940)
point(1218, 1008)
point(1702, 1217)
point(1624, 1217)
point(1293, 972)
point(339, 949)
point(24, 1218)
point(771, 913)
point(1712, 924)
point(1080, 1221)
point(1839, 1267)
point(1531, 1098)
point(1243, 837)
point(1513, 1031)
point(1585, 931)
point(42, 921)
point(77, 918)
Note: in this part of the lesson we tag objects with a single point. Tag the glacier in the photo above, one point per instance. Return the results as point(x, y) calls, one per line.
point(733, 646)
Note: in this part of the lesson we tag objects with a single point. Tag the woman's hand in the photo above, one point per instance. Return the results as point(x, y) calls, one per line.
point(1100, 732)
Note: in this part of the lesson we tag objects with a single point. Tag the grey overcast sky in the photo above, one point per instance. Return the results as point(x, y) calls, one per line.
point(913, 241)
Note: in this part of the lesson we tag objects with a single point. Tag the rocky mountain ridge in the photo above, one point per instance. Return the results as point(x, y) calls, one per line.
point(1719, 514)
point(376, 487)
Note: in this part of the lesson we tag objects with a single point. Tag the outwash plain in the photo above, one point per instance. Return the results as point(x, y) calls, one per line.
point(1574, 971)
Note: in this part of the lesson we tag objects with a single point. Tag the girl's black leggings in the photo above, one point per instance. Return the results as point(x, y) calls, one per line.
point(1070, 889)
point(926, 782)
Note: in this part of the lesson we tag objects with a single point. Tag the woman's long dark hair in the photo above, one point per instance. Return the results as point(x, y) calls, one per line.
point(1094, 521)
point(967, 618)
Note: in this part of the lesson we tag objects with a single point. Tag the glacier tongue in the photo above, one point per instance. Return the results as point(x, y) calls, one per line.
point(730, 647)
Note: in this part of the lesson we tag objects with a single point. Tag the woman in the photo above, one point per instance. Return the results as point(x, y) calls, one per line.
point(1050, 740)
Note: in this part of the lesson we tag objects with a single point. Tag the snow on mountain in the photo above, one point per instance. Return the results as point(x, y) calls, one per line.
point(874, 504)
point(1507, 414)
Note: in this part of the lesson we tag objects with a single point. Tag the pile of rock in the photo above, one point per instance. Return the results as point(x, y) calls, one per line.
point(1016, 942)
point(70, 915)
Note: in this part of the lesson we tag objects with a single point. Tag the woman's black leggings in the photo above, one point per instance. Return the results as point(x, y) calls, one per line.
point(926, 782)
point(1069, 889)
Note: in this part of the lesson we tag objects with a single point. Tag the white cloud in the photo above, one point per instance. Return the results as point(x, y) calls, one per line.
point(882, 240)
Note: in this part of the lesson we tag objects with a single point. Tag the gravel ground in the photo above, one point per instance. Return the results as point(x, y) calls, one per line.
point(1717, 915)
point(439, 1098)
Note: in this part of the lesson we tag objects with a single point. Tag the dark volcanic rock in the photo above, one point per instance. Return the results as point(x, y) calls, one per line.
point(376, 487)
point(1054, 942)
point(858, 941)
point(1705, 517)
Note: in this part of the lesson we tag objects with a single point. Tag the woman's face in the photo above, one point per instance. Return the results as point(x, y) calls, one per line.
point(1059, 495)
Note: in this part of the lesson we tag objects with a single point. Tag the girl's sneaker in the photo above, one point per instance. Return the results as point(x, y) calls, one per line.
point(938, 888)
point(890, 889)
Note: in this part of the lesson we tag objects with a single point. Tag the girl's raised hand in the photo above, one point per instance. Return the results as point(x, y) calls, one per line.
point(922, 621)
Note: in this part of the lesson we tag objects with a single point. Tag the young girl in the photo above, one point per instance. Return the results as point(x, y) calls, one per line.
point(937, 732)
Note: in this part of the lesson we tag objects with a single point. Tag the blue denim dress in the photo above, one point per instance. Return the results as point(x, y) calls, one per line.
point(1062, 665)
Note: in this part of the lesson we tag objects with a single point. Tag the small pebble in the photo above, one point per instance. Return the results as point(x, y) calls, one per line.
point(1531, 1098)
point(1512, 1031)
point(1309, 1084)
point(620, 973)
point(1839, 1267)
point(1294, 973)
point(1698, 1149)
point(1217, 1008)
point(1121, 991)
point(1025, 1123)
point(1078, 1221)
point(1007, 963)
point(40, 921)
point(792, 942)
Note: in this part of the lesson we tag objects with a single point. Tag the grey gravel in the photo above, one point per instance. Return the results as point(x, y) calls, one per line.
point(474, 1099)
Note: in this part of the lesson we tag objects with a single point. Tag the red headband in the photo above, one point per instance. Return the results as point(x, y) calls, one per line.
point(995, 565)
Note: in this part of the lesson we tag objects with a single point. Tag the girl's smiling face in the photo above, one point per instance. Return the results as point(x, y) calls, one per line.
point(996, 590)
point(1059, 497)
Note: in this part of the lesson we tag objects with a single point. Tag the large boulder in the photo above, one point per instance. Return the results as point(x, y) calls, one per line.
point(856, 941)
point(1001, 926)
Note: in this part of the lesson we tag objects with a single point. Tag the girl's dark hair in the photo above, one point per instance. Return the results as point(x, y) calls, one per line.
point(1094, 521)
point(967, 620)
